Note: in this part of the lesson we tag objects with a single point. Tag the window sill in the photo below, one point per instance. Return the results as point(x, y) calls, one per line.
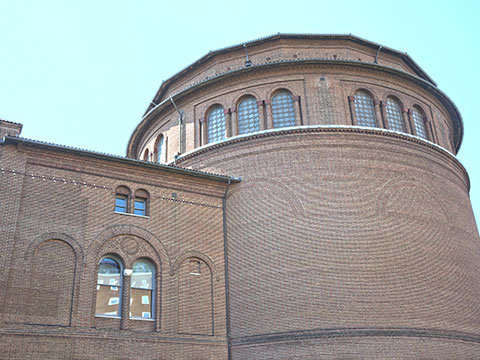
point(143, 319)
point(129, 214)
point(107, 316)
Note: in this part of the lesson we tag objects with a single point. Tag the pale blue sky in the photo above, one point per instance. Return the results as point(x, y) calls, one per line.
point(81, 73)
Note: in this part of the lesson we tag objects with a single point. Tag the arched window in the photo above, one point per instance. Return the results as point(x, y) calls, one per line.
point(364, 109)
point(283, 109)
point(394, 115)
point(142, 290)
point(160, 148)
point(122, 199)
point(248, 118)
point(140, 202)
point(419, 123)
point(109, 287)
point(146, 155)
point(216, 124)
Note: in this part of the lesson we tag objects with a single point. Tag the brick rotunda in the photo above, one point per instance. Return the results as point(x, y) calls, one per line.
point(341, 226)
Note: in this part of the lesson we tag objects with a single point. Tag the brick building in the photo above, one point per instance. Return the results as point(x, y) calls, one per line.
point(297, 196)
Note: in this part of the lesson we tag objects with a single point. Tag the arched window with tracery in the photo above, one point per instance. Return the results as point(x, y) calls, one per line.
point(109, 287)
point(248, 117)
point(216, 124)
point(160, 148)
point(364, 109)
point(142, 285)
point(394, 115)
point(419, 122)
point(283, 109)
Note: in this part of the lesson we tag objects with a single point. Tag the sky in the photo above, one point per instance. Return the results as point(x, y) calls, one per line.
point(82, 73)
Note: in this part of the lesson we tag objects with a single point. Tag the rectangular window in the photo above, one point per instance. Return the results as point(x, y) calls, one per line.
point(139, 207)
point(141, 303)
point(121, 203)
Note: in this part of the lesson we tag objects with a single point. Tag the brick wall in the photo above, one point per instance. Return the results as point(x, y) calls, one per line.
point(341, 230)
point(58, 223)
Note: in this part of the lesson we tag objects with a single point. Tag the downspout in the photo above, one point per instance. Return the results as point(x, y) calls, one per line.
point(378, 52)
point(180, 128)
point(227, 289)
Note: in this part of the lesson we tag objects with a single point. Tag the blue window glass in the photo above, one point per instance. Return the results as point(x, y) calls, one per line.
point(139, 207)
point(121, 203)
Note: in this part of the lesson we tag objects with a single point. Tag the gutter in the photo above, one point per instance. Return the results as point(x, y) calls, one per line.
point(127, 161)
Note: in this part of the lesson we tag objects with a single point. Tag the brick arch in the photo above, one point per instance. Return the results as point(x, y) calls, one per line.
point(294, 202)
point(57, 251)
point(243, 96)
point(395, 97)
point(394, 185)
point(367, 90)
point(194, 254)
point(277, 88)
point(116, 230)
point(77, 249)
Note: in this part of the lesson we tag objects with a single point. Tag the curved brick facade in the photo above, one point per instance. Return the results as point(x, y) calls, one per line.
point(341, 228)
point(337, 230)
point(341, 239)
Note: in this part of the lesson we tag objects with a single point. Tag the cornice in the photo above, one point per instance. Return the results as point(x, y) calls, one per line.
point(333, 129)
point(142, 127)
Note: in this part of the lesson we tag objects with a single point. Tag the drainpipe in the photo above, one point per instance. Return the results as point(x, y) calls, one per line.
point(378, 52)
point(225, 255)
point(181, 128)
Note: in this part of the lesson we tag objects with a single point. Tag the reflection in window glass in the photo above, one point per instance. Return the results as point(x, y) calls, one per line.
point(108, 288)
point(139, 207)
point(141, 293)
point(283, 109)
point(121, 203)
point(161, 149)
point(216, 124)
point(394, 115)
point(248, 118)
point(419, 123)
point(364, 110)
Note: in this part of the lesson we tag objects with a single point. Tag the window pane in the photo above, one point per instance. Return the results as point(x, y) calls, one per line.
point(216, 124)
point(364, 110)
point(419, 124)
point(283, 110)
point(142, 276)
point(160, 149)
point(109, 272)
point(108, 300)
point(394, 115)
point(120, 204)
point(248, 119)
point(139, 207)
point(141, 303)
